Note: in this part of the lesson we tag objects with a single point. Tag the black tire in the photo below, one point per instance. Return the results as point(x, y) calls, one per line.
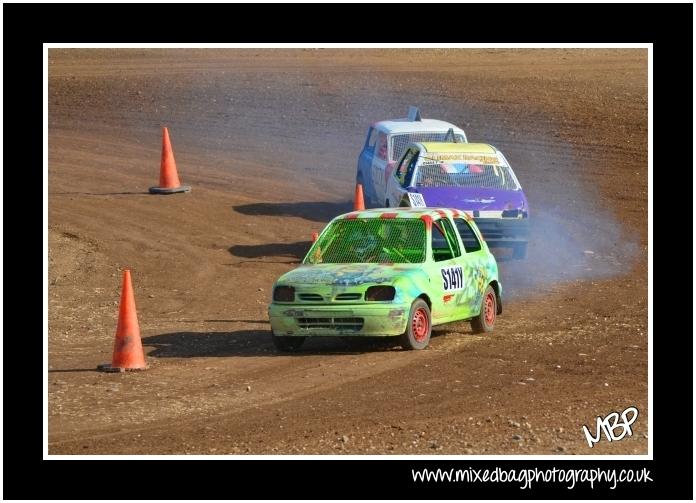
point(485, 321)
point(288, 344)
point(519, 251)
point(419, 327)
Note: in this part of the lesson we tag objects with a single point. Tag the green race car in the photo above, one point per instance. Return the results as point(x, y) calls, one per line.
point(388, 272)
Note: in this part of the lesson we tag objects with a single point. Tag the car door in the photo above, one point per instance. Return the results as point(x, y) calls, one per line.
point(398, 181)
point(379, 167)
point(474, 262)
point(450, 283)
point(365, 165)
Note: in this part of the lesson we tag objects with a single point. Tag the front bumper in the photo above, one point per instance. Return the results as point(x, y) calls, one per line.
point(379, 319)
point(503, 230)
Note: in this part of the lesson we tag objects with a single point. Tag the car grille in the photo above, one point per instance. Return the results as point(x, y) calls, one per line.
point(313, 297)
point(352, 324)
point(493, 229)
point(327, 298)
point(348, 296)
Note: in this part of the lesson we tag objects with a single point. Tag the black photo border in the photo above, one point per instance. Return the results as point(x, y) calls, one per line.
point(28, 26)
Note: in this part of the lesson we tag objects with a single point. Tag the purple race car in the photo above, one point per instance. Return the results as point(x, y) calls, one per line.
point(473, 177)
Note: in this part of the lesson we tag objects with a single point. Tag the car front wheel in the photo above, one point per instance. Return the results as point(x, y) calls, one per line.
point(419, 327)
point(485, 321)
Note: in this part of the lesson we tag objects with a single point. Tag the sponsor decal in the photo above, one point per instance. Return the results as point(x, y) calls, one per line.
point(452, 278)
point(466, 157)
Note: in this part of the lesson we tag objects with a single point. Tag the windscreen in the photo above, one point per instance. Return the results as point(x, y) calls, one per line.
point(370, 240)
point(461, 174)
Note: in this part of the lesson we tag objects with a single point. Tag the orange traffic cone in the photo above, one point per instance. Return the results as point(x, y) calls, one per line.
point(315, 236)
point(359, 203)
point(128, 349)
point(169, 179)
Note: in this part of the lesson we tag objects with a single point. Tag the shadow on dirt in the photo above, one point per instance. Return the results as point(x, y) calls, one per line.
point(72, 370)
point(264, 322)
point(99, 193)
point(296, 250)
point(259, 343)
point(315, 211)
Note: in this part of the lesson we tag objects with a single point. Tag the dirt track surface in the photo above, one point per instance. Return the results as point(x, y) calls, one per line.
point(269, 142)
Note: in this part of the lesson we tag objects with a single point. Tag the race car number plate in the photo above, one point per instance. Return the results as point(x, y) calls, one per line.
point(416, 200)
point(452, 278)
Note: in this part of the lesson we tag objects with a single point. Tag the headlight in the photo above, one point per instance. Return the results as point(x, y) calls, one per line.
point(284, 294)
point(380, 292)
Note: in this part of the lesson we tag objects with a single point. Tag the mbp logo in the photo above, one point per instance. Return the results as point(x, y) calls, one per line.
point(610, 424)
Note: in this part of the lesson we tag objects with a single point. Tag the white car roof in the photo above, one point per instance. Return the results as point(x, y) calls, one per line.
point(407, 126)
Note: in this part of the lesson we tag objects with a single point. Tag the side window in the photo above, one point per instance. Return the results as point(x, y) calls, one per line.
point(400, 172)
point(371, 139)
point(471, 242)
point(451, 237)
point(382, 146)
point(444, 241)
point(410, 169)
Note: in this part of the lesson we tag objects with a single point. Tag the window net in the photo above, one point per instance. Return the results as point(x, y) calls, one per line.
point(370, 240)
point(401, 141)
point(454, 174)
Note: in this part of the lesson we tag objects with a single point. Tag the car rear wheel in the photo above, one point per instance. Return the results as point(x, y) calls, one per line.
point(419, 327)
point(485, 321)
point(288, 344)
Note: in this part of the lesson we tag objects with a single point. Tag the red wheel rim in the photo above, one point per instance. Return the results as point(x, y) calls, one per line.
point(489, 309)
point(420, 324)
